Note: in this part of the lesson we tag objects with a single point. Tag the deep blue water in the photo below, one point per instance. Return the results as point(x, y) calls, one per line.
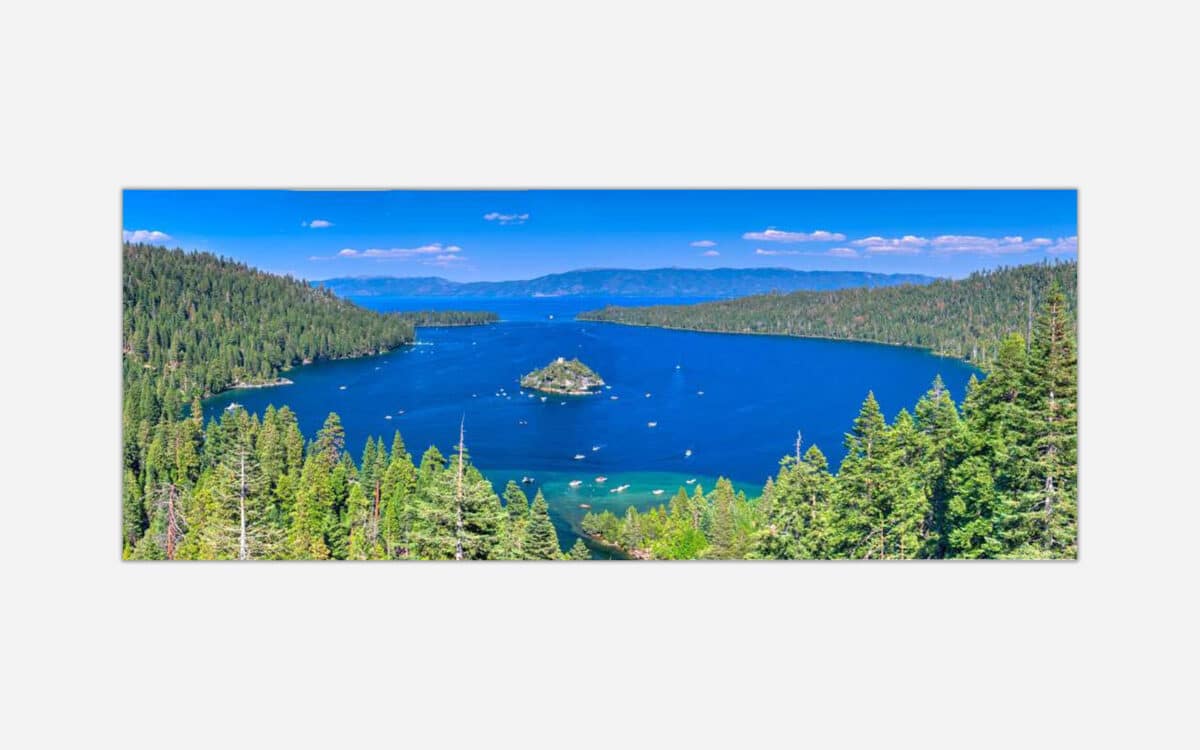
point(757, 392)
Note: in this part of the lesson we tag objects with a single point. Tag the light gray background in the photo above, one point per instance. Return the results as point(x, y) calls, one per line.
point(106, 95)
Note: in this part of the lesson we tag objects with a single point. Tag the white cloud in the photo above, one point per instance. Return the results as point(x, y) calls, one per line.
point(906, 245)
point(317, 224)
point(424, 251)
point(704, 243)
point(443, 260)
point(500, 218)
point(956, 243)
point(1064, 245)
point(710, 253)
point(950, 244)
point(837, 252)
point(772, 234)
point(145, 235)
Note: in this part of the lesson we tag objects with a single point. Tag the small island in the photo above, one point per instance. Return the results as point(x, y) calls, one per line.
point(563, 376)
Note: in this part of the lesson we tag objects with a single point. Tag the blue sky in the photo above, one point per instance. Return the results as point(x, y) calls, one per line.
point(518, 234)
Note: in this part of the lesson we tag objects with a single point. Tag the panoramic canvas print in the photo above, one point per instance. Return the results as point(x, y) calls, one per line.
point(599, 374)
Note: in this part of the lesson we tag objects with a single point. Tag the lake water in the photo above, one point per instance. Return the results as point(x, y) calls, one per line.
point(734, 401)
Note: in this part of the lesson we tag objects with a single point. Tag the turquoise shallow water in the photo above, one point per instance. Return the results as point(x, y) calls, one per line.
point(735, 402)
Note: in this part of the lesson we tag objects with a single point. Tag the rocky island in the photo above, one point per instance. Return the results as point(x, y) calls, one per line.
point(563, 376)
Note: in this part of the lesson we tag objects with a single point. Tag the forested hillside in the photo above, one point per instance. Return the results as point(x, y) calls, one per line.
point(994, 480)
point(965, 318)
point(194, 324)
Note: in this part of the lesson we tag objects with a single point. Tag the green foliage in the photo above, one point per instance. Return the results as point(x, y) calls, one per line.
point(579, 551)
point(563, 376)
point(540, 539)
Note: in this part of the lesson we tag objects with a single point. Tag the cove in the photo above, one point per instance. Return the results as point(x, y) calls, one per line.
point(722, 404)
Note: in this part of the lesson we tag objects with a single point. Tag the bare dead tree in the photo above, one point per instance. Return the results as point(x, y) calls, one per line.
point(458, 528)
point(243, 549)
point(166, 500)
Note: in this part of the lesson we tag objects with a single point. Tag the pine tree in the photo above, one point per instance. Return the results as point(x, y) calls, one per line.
point(723, 538)
point(973, 512)
point(861, 507)
point(579, 551)
point(1048, 502)
point(541, 540)
point(937, 419)
point(331, 440)
point(399, 497)
point(313, 507)
point(908, 534)
point(798, 524)
point(516, 508)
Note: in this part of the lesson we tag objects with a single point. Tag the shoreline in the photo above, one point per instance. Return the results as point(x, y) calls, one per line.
point(926, 349)
point(239, 386)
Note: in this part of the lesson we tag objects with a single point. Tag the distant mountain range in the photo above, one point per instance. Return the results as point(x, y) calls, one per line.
point(617, 282)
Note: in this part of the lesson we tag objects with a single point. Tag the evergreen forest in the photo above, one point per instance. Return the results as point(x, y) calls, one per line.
point(992, 477)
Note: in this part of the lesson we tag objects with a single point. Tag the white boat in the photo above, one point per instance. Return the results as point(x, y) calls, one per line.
point(574, 483)
point(647, 394)
point(233, 405)
point(601, 480)
point(387, 416)
point(677, 367)
point(341, 387)
point(699, 393)
point(691, 481)
point(612, 398)
point(652, 424)
point(400, 412)
point(527, 480)
point(687, 453)
point(595, 448)
point(579, 456)
point(656, 492)
point(622, 488)
point(543, 399)
point(608, 387)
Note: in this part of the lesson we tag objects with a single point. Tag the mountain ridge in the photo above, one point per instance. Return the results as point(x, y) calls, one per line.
point(623, 282)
